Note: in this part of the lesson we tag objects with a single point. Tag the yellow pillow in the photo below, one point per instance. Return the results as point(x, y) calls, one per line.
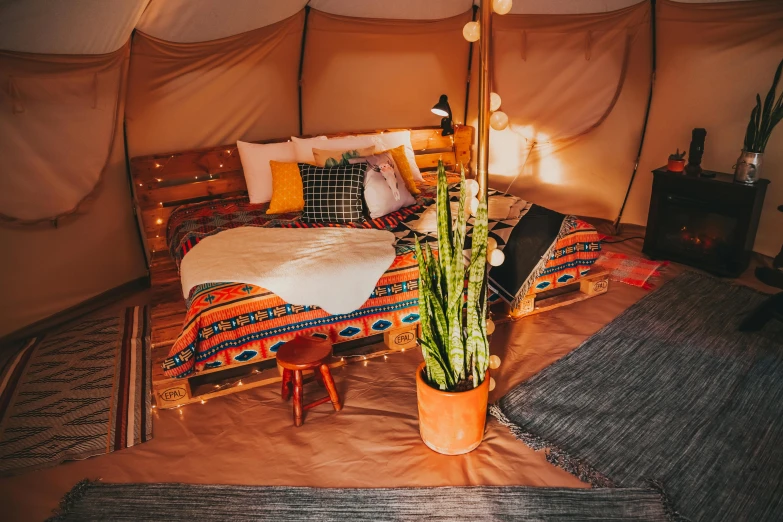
point(287, 192)
point(398, 155)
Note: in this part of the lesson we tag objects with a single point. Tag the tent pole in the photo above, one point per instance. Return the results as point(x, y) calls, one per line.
point(482, 163)
point(301, 65)
point(470, 64)
point(136, 217)
point(616, 224)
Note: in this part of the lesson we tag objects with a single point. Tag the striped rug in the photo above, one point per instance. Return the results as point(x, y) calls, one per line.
point(188, 502)
point(671, 392)
point(80, 391)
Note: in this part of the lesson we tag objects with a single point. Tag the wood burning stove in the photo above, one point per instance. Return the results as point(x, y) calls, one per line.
point(706, 222)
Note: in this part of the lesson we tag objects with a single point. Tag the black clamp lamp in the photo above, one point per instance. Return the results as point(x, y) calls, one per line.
point(442, 108)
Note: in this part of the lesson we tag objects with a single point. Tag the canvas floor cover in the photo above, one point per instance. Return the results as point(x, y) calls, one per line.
point(248, 438)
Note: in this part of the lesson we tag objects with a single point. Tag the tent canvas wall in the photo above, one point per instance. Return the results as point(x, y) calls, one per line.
point(574, 77)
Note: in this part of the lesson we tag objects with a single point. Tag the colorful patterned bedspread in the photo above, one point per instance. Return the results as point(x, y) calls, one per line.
point(229, 323)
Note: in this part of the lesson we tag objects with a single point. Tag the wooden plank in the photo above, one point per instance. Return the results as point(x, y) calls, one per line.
point(401, 338)
point(157, 170)
point(463, 146)
point(152, 197)
point(430, 139)
point(426, 161)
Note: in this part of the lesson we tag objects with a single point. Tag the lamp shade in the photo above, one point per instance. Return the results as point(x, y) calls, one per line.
point(442, 108)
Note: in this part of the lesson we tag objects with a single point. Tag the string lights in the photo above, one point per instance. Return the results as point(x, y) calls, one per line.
point(364, 358)
point(472, 30)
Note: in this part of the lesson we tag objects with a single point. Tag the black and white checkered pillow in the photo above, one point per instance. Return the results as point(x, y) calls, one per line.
point(332, 195)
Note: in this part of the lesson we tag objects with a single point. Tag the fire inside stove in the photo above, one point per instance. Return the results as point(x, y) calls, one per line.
point(698, 234)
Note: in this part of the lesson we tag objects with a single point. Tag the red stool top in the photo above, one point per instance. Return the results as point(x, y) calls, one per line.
point(303, 353)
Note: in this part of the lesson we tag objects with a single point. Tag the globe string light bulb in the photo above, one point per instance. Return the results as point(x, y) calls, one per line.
point(471, 187)
point(494, 101)
point(498, 120)
point(473, 205)
point(471, 31)
point(496, 258)
point(501, 7)
point(492, 244)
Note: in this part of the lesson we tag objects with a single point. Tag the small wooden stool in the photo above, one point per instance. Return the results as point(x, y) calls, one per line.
point(306, 353)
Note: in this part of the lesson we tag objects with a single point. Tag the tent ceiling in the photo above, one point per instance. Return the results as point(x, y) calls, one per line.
point(186, 21)
point(72, 27)
point(100, 26)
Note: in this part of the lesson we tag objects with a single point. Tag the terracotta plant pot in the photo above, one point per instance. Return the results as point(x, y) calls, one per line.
point(451, 423)
point(676, 165)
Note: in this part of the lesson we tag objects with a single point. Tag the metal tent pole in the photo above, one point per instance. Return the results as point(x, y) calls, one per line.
point(482, 163)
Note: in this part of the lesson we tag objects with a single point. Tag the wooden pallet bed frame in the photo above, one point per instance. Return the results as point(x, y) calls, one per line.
point(162, 182)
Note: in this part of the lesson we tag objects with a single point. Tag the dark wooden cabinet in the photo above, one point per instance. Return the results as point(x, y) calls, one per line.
point(709, 223)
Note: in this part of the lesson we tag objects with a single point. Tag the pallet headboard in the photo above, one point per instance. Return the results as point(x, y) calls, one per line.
point(163, 182)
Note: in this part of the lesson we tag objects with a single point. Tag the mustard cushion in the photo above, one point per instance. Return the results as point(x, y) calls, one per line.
point(287, 192)
point(404, 167)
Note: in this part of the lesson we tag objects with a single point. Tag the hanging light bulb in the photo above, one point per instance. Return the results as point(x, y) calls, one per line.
point(498, 120)
point(496, 258)
point(471, 187)
point(494, 101)
point(471, 31)
point(492, 244)
point(473, 205)
point(491, 384)
point(501, 7)
point(494, 362)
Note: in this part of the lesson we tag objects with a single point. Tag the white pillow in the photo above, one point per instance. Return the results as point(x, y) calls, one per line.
point(383, 193)
point(255, 158)
point(391, 140)
point(304, 147)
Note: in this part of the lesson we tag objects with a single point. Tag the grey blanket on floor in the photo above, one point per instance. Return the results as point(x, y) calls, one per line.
point(189, 502)
point(669, 391)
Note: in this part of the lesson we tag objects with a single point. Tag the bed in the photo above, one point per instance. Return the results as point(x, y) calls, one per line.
point(228, 324)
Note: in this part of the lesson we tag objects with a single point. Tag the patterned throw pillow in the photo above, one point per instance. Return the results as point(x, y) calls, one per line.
point(384, 188)
point(332, 195)
point(286, 188)
point(333, 158)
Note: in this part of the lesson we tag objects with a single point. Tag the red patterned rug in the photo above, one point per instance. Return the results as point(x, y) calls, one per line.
point(631, 270)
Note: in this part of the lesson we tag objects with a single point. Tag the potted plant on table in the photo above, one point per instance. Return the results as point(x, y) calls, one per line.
point(762, 121)
point(452, 384)
point(676, 162)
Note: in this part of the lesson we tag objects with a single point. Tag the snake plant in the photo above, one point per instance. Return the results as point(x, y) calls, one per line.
point(763, 120)
point(453, 328)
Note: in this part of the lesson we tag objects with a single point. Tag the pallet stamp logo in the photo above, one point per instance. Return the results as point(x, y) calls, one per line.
point(404, 338)
point(173, 394)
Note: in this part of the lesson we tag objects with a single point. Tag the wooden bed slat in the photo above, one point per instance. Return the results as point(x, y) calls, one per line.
point(426, 161)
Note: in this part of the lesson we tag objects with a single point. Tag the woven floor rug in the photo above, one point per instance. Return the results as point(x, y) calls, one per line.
point(172, 502)
point(631, 270)
point(671, 392)
point(80, 391)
